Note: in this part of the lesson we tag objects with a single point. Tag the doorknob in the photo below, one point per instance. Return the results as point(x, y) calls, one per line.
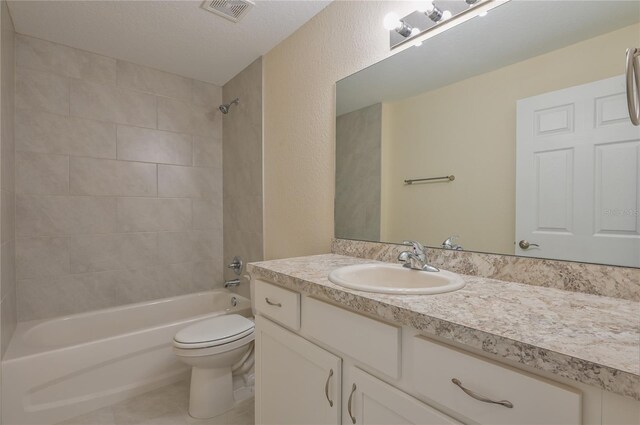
point(524, 244)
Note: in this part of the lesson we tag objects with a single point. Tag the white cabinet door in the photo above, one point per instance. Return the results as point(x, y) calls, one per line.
point(297, 382)
point(371, 401)
point(578, 175)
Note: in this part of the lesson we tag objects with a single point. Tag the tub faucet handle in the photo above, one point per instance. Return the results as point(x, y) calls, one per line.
point(236, 265)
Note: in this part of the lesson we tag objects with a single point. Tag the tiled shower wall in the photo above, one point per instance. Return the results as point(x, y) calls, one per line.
point(118, 182)
point(243, 169)
point(8, 315)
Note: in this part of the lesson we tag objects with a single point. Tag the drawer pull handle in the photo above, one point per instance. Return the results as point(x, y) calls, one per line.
point(326, 388)
point(272, 303)
point(353, 390)
point(478, 397)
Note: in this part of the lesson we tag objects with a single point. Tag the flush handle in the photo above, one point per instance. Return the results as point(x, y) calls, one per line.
point(272, 303)
point(478, 397)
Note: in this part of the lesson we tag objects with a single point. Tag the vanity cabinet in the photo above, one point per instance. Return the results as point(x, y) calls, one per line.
point(319, 363)
point(297, 382)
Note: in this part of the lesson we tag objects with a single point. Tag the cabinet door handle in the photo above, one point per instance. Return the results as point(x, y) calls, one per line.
point(272, 303)
point(353, 390)
point(478, 397)
point(326, 388)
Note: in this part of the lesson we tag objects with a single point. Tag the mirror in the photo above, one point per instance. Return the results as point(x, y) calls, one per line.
point(526, 109)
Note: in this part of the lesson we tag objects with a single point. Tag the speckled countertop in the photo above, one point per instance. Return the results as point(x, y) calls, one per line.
point(587, 338)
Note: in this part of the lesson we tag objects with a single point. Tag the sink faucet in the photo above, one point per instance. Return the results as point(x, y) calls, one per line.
point(416, 259)
point(450, 244)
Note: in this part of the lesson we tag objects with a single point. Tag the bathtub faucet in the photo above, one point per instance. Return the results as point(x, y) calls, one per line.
point(231, 283)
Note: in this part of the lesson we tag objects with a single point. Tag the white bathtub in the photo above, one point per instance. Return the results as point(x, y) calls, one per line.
point(59, 368)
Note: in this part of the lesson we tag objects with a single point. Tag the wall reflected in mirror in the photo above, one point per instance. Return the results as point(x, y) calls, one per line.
point(526, 107)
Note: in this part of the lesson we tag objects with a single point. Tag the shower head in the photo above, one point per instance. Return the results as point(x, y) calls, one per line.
point(225, 108)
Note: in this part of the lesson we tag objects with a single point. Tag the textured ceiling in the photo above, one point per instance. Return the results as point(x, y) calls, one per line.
point(174, 36)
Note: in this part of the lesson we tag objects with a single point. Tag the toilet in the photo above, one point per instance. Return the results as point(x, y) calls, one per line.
point(212, 347)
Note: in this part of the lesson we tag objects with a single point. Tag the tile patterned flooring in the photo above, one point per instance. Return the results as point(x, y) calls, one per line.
point(164, 406)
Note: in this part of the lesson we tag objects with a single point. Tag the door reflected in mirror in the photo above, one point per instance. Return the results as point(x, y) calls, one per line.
point(527, 108)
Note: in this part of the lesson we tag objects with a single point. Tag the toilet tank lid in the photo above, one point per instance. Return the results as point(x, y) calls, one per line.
point(215, 328)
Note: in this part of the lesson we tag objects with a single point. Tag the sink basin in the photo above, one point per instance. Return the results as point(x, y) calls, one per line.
point(395, 279)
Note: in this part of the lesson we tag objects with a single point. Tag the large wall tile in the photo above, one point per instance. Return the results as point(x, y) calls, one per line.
point(103, 177)
point(90, 253)
point(152, 214)
point(162, 281)
point(208, 275)
point(107, 103)
point(46, 297)
point(175, 115)
point(50, 133)
point(94, 137)
point(206, 214)
point(42, 174)
point(64, 215)
point(207, 152)
point(37, 257)
point(207, 121)
point(187, 182)
point(55, 58)
point(42, 91)
point(141, 144)
point(179, 247)
point(206, 94)
point(150, 80)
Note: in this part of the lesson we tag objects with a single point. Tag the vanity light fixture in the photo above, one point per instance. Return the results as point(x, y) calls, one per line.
point(392, 22)
point(430, 17)
point(434, 13)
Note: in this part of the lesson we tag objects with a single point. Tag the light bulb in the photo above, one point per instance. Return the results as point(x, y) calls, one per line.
point(427, 7)
point(446, 15)
point(391, 21)
point(415, 31)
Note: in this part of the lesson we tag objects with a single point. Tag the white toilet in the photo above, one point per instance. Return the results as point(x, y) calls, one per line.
point(211, 347)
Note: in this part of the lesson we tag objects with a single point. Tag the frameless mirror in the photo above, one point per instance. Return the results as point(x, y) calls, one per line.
point(509, 131)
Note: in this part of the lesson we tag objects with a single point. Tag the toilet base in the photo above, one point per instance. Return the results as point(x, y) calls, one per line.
point(211, 392)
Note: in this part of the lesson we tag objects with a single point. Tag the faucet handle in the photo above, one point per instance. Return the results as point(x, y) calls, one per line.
point(417, 246)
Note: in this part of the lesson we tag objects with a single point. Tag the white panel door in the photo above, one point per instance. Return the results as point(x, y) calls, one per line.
point(297, 382)
point(370, 401)
point(578, 175)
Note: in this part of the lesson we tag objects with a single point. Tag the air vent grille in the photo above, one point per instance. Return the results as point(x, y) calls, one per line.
point(233, 10)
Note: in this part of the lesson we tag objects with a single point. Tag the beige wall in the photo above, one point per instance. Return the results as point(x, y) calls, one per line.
point(468, 129)
point(299, 112)
point(8, 308)
point(118, 182)
point(242, 164)
point(358, 174)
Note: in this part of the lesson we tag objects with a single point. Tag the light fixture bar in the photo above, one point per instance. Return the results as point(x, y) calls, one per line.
point(434, 19)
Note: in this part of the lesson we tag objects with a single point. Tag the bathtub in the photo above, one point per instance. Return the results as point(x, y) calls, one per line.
point(59, 368)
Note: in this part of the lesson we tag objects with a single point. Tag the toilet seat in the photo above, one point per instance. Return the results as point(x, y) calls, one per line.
point(215, 332)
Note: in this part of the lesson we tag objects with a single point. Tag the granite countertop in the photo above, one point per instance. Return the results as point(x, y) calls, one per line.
point(587, 338)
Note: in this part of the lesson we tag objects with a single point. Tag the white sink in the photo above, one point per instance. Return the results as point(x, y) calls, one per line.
point(395, 279)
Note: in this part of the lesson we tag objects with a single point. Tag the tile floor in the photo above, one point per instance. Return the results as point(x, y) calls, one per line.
point(164, 406)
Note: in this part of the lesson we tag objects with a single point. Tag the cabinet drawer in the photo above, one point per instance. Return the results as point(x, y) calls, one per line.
point(279, 304)
point(534, 401)
point(369, 341)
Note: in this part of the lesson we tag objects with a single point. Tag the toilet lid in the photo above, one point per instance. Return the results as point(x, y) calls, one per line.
point(217, 330)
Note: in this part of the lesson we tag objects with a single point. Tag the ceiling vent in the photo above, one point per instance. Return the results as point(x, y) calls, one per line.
point(233, 10)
